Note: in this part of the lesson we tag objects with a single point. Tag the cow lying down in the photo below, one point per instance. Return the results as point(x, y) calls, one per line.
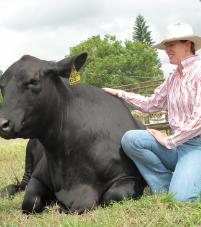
point(80, 163)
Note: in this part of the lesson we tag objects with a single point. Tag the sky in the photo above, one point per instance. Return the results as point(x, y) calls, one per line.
point(47, 29)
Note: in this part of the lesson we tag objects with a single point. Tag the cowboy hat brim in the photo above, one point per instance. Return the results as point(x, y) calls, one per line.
point(195, 39)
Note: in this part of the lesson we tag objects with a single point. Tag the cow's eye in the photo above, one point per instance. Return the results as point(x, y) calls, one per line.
point(34, 82)
point(33, 85)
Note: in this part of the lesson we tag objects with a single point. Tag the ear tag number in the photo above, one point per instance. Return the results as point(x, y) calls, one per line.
point(74, 76)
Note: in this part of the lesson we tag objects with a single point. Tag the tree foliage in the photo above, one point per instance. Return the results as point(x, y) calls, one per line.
point(141, 32)
point(111, 63)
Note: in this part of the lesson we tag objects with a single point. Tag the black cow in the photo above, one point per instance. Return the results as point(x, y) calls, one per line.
point(80, 127)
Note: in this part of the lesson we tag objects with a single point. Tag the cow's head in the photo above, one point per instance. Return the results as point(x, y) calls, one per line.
point(24, 86)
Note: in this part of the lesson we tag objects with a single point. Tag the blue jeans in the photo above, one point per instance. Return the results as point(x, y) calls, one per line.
point(177, 171)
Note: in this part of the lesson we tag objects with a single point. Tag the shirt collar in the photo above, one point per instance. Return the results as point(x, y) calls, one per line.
point(189, 60)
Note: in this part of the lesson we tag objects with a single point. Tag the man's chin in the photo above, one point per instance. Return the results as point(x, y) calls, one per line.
point(172, 61)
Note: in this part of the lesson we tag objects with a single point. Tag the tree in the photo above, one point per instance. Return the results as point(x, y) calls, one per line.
point(142, 61)
point(141, 32)
point(111, 63)
point(103, 63)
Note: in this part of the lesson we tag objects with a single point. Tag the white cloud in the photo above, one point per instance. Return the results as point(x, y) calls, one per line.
point(46, 28)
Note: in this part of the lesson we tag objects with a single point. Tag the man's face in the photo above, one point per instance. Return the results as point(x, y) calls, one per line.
point(176, 50)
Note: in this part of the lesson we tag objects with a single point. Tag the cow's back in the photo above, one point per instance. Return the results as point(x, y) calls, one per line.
point(103, 112)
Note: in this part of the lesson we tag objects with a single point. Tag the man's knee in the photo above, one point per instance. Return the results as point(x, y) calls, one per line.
point(130, 142)
point(126, 139)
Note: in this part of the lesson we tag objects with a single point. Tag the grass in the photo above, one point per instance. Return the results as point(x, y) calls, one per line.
point(150, 210)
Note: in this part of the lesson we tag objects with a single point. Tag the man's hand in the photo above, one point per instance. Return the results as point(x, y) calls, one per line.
point(159, 136)
point(111, 91)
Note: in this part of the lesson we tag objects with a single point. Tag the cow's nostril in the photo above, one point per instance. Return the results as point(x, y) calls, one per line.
point(5, 124)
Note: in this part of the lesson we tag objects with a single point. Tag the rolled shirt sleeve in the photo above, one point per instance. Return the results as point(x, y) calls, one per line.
point(154, 103)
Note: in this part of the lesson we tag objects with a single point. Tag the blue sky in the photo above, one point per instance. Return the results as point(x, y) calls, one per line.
point(47, 29)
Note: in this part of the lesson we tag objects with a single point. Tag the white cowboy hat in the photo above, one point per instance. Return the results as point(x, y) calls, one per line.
point(179, 31)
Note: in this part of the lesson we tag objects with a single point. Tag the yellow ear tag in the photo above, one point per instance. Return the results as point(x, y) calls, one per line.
point(74, 76)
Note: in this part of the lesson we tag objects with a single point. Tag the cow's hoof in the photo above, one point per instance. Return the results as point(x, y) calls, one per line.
point(32, 205)
point(9, 190)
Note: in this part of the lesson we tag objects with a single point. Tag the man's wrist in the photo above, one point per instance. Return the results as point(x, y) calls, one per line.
point(169, 143)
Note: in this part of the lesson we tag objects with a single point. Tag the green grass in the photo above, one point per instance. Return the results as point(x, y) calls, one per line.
point(150, 210)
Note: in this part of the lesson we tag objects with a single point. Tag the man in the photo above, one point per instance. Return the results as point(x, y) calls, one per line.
point(171, 163)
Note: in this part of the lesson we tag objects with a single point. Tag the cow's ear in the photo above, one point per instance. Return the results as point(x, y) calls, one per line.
point(65, 66)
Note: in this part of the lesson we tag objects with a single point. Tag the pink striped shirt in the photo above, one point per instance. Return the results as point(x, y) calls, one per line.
point(180, 95)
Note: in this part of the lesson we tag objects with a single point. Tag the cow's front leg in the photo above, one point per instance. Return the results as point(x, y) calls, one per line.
point(37, 196)
point(79, 199)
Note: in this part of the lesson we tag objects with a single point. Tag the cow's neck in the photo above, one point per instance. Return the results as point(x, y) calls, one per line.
point(54, 130)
